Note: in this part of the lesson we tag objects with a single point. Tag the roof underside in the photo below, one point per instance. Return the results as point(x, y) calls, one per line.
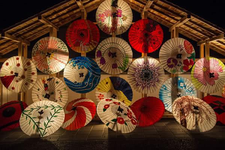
point(161, 11)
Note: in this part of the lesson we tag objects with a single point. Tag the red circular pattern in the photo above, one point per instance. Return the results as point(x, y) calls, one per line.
point(25, 69)
point(17, 58)
point(120, 120)
point(11, 72)
point(134, 122)
point(18, 64)
point(28, 63)
point(33, 73)
point(13, 88)
point(7, 64)
point(106, 106)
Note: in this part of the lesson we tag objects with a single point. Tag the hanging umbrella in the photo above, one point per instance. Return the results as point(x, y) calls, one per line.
point(10, 114)
point(148, 110)
point(218, 105)
point(50, 55)
point(192, 112)
point(117, 21)
point(145, 36)
point(18, 74)
point(42, 117)
point(82, 74)
point(145, 75)
point(223, 91)
point(114, 87)
point(79, 113)
point(177, 55)
point(208, 75)
point(82, 36)
point(113, 55)
point(50, 88)
point(174, 88)
point(116, 115)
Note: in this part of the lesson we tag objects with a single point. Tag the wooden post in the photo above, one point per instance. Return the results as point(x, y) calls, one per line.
point(202, 55)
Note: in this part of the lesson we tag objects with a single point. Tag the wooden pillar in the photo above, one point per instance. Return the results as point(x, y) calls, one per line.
point(202, 55)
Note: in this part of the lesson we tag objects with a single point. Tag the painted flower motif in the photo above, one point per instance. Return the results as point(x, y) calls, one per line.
point(187, 64)
point(114, 66)
point(108, 100)
point(99, 53)
point(120, 120)
point(188, 47)
point(171, 62)
point(106, 29)
point(106, 107)
point(207, 71)
point(101, 96)
point(129, 115)
point(133, 121)
point(101, 17)
point(116, 103)
point(119, 13)
point(102, 61)
point(108, 13)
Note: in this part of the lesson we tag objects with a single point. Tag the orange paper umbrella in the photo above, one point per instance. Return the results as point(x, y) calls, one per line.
point(79, 113)
point(18, 74)
point(50, 55)
point(82, 36)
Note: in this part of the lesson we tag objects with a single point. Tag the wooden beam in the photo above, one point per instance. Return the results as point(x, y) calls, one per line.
point(207, 49)
point(180, 22)
point(53, 32)
point(82, 9)
point(144, 13)
point(217, 49)
point(202, 54)
point(220, 36)
point(13, 38)
point(47, 22)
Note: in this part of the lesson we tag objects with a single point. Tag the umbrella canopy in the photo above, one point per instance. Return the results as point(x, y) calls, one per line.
point(114, 55)
point(50, 88)
point(116, 115)
point(114, 87)
point(208, 75)
point(223, 91)
point(42, 117)
point(117, 21)
point(79, 113)
point(148, 110)
point(145, 36)
point(145, 74)
point(192, 112)
point(177, 55)
point(218, 105)
point(10, 114)
point(82, 36)
point(82, 74)
point(50, 55)
point(18, 74)
point(174, 88)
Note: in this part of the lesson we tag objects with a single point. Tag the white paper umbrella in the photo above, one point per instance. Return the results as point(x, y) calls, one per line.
point(50, 55)
point(42, 118)
point(50, 88)
point(177, 55)
point(18, 74)
point(208, 75)
point(113, 55)
point(145, 74)
point(174, 88)
point(116, 115)
point(117, 22)
point(192, 112)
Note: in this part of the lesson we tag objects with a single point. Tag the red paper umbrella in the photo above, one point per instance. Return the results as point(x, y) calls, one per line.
point(10, 114)
point(148, 110)
point(82, 36)
point(218, 104)
point(145, 36)
point(79, 113)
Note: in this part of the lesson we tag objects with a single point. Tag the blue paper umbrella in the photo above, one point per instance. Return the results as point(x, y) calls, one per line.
point(82, 74)
point(174, 88)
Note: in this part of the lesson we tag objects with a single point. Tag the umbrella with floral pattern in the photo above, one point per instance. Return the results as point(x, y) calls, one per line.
point(208, 75)
point(114, 16)
point(145, 36)
point(192, 113)
point(174, 88)
point(113, 55)
point(145, 74)
point(177, 55)
point(116, 115)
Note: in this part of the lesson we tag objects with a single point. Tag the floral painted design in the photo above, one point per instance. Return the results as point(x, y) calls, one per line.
point(101, 17)
point(171, 62)
point(188, 64)
point(120, 120)
point(101, 96)
point(106, 107)
point(188, 47)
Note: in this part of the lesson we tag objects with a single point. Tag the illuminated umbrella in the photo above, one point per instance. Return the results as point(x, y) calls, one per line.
point(82, 74)
point(177, 55)
point(208, 75)
point(117, 21)
point(148, 110)
point(145, 36)
point(79, 113)
point(10, 114)
point(42, 118)
point(192, 112)
point(174, 88)
point(82, 36)
point(218, 105)
point(18, 74)
point(145, 75)
point(50, 55)
point(114, 87)
point(113, 55)
point(50, 88)
point(116, 115)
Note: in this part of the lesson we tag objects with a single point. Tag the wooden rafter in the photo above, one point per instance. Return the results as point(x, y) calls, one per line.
point(47, 22)
point(82, 9)
point(180, 22)
point(220, 36)
point(13, 38)
point(144, 13)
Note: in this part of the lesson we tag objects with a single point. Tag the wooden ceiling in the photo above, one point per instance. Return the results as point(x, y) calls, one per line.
point(162, 11)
